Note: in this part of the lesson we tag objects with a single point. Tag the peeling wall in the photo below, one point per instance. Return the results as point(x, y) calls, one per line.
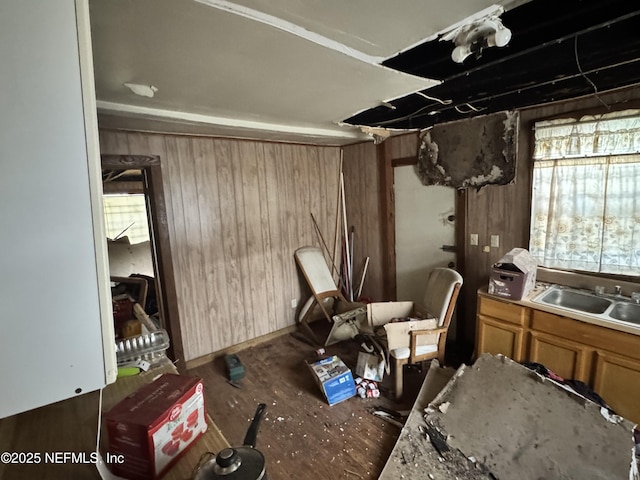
point(470, 153)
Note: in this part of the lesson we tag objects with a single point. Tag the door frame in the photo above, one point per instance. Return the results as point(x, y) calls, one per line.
point(151, 168)
point(386, 164)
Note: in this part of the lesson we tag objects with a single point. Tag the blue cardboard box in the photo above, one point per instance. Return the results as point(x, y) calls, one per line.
point(334, 378)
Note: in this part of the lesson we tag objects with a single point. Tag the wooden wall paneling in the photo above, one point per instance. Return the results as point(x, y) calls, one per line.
point(288, 221)
point(267, 309)
point(212, 290)
point(193, 276)
point(376, 276)
point(226, 253)
point(258, 323)
point(280, 276)
point(404, 146)
point(388, 223)
point(362, 192)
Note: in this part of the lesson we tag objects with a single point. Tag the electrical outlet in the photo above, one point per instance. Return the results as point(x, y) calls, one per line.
point(495, 241)
point(294, 303)
point(473, 239)
point(486, 249)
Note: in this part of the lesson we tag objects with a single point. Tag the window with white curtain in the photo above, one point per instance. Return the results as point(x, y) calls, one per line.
point(585, 211)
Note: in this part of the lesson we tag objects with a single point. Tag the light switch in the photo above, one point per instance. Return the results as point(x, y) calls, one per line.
point(473, 239)
point(486, 249)
point(495, 241)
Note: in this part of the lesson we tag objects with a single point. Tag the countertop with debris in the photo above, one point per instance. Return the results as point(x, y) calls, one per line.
point(529, 301)
point(414, 455)
point(498, 419)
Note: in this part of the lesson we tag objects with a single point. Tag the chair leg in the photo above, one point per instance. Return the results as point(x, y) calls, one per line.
point(399, 388)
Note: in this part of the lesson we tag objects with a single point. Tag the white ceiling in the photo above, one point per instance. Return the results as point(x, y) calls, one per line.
point(287, 70)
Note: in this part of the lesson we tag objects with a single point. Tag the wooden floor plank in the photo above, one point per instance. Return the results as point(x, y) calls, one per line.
point(302, 436)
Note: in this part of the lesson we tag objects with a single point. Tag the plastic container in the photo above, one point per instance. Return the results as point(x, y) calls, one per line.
point(142, 346)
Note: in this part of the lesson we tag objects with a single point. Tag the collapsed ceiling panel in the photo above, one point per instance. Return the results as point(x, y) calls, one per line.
point(558, 50)
point(518, 424)
point(474, 153)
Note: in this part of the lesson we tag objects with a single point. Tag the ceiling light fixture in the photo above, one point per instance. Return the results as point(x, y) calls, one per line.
point(472, 38)
point(142, 90)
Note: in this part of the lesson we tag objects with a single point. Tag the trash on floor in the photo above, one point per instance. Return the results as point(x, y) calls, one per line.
point(334, 378)
point(367, 388)
point(235, 369)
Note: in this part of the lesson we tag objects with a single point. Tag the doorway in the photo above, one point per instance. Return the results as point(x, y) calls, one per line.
point(145, 178)
point(424, 233)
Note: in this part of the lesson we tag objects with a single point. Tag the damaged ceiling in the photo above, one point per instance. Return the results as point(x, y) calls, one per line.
point(558, 50)
point(285, 70)
point(310, 73)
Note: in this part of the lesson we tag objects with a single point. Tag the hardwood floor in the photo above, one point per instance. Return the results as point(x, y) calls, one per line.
point(302, 436)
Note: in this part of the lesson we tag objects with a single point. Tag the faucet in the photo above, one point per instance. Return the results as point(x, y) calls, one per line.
point(617, 290)
point(635, 297)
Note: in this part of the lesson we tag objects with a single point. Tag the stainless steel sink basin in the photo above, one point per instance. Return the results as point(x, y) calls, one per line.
point(574, 300)
point(627, 312)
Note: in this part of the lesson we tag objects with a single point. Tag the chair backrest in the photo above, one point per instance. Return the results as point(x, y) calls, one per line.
point(316, 271)
point(442, 293)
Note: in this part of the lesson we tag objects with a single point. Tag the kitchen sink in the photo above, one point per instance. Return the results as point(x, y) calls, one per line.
point(574, 300)
point(626, 312)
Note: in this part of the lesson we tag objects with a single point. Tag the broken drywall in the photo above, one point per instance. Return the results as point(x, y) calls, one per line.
point(517, 424)
point(470, 153)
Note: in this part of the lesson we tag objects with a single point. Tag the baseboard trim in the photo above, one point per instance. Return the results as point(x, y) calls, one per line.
point(197, 362)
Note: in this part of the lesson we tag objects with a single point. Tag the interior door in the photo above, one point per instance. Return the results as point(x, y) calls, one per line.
point(425, 223)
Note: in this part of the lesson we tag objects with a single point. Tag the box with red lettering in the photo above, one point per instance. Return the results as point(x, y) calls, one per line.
point(154, 426)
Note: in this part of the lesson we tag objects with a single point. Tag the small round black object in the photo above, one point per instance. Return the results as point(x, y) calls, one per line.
point(226, 457)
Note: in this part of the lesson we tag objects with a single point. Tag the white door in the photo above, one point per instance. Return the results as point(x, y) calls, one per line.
point(425, 222)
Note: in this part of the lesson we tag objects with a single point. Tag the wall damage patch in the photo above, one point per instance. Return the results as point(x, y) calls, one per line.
point(470, 153)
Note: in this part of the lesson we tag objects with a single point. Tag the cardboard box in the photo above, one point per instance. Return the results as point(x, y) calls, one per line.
point(417, 318)
point(370, 366)
point(334, 378)
point(514, 275)
point(155, 425)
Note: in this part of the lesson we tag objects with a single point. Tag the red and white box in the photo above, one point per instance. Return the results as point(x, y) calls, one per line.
point(154, 426)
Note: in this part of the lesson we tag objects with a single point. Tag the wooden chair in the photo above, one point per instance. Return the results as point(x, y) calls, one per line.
point(325, 294)
point(419, 343)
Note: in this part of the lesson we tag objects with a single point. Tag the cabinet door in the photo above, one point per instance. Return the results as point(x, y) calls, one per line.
point(568, 359)
point(495, 336)
point(57, 325)
point(617, 381)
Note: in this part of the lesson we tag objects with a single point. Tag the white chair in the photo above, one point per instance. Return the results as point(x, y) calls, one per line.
point(419, 343)
point(327, 296)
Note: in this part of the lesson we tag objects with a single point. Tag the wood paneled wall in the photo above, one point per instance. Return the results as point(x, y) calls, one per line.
point(362, 194)
point(237, 212)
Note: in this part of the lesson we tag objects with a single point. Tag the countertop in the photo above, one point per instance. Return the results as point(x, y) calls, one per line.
point(70, 427)
point(540, 287)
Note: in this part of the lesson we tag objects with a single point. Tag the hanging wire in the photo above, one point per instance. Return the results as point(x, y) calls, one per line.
point(443, 102)
point(595, 88)
point(471, 109)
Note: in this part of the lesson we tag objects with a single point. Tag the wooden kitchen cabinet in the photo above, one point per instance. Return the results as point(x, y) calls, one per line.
point(501, 328)
point(606, 359)
point(617, 381)
point(563, 357)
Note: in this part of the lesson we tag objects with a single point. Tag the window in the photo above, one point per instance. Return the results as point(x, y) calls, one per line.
point(585, 211)
point(126, 216)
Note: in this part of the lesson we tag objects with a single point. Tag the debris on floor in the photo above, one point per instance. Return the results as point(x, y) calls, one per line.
point(334, 379)
point(503, 420)
point(367, 388)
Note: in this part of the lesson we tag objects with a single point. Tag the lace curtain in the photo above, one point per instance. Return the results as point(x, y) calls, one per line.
point(586, 186)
